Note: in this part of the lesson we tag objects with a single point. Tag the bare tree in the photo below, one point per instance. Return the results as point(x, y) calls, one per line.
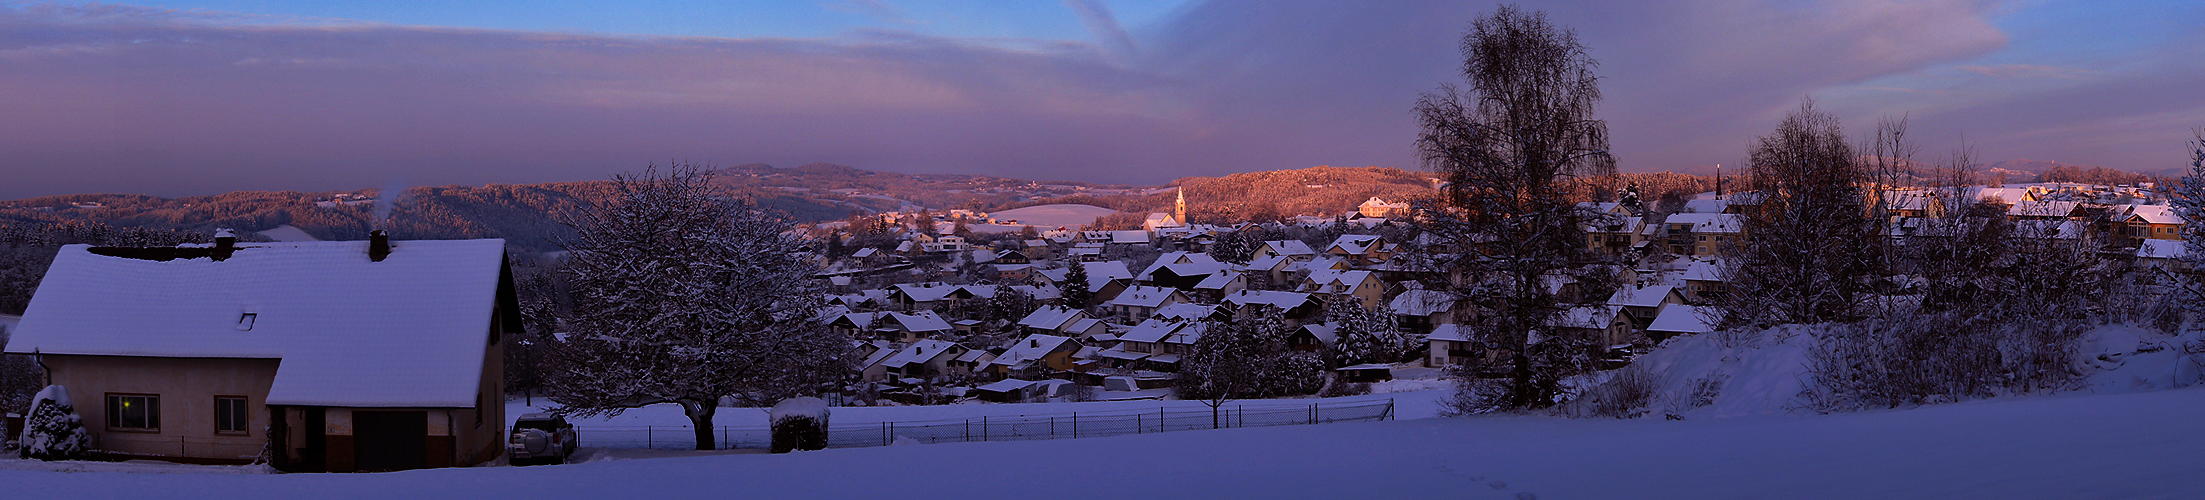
point(1810, 250)
point(1509, 146)
point(2189, 202)
point(682, 295)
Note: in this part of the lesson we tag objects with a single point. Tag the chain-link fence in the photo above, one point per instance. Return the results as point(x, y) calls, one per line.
point(1068, 425)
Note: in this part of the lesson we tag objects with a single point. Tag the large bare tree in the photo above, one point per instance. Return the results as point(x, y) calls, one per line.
point(684, 295)
point(1811, 247)
point(1508, 145)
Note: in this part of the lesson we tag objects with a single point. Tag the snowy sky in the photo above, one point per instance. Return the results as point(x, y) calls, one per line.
point(189, 97)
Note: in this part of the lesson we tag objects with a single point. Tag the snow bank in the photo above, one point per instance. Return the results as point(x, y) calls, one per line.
point(1729, 374)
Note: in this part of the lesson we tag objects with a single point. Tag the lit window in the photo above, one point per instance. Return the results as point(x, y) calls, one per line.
point(134, 412)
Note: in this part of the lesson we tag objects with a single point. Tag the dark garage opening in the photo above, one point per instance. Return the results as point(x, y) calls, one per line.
point(390, 440)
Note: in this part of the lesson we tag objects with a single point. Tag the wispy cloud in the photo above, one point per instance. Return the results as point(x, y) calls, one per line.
point(111, 98)
point(2026, 71)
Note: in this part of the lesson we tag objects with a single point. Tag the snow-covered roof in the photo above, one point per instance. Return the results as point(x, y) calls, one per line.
point(1586, 317)
point(1153, 330)
point(1281, 300)
point(1031, 348)
point(1705, 206)
point(1185, 311)
point(919, 352)
point(921, 321)
point(925, 292)
point(1703, 271)
point(1050, 317)
point(1129, 237)
point(1005, 385)
point(1326, 333)
point(410, 330)
point(1288, 248)
point(1331, 281)
point(1218, 281)
point(2042, 208)
point(1650, 296)
point(2154, 214)
point(2161, 249)
point(1709, 222)
point(865, 252)
point(1145, 296)
point(1354, 244)
point(1683, 319)
point(1449, 332)
point(1421, 303)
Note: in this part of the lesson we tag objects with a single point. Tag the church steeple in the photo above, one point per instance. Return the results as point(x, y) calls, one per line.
point(1179, 211)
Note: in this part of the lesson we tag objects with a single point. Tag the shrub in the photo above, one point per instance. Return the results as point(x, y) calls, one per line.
point(52, 430)
point(799, 424)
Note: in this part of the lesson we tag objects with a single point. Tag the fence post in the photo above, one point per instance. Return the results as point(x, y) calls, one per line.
point(1138, 426)
point(1313, 414)
point(1075, 425)
point(648, 443)
point(1052, 427)
point(1389, 410)
point(968, 430)
point(884, 433)
point(1161, 419)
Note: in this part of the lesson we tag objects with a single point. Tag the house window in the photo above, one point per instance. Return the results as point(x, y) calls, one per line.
point(134, 412)
point(231, 416)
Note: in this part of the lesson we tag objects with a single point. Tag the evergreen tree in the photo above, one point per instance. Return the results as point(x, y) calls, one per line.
point(1361, 334)
point(1245, 358)
point(1076, 293)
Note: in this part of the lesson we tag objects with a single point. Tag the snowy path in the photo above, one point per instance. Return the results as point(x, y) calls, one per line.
point(2080, 446)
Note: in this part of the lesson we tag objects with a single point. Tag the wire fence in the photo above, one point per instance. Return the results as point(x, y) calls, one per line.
point(1068, 425)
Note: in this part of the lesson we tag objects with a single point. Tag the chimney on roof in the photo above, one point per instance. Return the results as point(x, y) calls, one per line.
point(378, 245)
point(225, 243)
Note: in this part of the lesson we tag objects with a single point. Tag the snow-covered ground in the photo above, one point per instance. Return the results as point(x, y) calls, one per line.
point(1050, 216)
point(288, 232)
point(1421, 403)
point(2140, 445)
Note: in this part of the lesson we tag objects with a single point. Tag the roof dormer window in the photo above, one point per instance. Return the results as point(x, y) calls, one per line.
point(245, 321)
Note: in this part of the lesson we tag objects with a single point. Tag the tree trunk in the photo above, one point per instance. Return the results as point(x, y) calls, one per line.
point(700, 417)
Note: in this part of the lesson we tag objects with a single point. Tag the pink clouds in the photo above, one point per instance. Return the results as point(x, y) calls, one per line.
point(163, 102)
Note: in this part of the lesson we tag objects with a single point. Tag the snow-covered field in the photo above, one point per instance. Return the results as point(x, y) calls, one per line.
point(2140, 445)
point(1050, 216)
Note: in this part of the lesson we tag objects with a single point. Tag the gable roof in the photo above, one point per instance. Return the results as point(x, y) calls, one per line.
point(1051, 317)
point(1682, 319)
point(1449, 332)
point(410, 330)
point(1421, 303)
point(1651, 296)
point(1274, 298)
point(1031, 348)
point(1144, 296)
point(1355, 244)
point(1185, 311)
point(1288, 248)
point(919, 352)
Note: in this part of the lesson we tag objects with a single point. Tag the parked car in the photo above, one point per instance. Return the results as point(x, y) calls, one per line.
point(541, 438)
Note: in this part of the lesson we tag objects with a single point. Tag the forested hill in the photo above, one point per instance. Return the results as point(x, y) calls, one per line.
point(525, 215)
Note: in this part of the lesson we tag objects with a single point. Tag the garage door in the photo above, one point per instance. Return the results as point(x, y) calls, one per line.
point(390, 440)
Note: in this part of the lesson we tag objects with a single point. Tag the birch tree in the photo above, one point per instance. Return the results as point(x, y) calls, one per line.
point(1509, 146)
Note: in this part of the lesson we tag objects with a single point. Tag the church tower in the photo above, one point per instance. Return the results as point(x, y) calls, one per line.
point(1179, 211)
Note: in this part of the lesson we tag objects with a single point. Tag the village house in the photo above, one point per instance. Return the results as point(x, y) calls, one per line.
point(1361, 249)
point(1033, 357)
point(331, 356)
point(1140, 302)
point(1363, 286)
point(1375, 207)
point(1419, 311)
point(915, 363)
point(1643, 304)
point(1677, 320)
point(1451, 345)
point(1295, 307)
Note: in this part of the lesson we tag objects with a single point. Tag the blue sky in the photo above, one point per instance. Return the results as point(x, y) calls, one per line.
point(199, 97)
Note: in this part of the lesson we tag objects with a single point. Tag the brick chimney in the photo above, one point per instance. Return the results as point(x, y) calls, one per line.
point(225, 243)
point(378, 245)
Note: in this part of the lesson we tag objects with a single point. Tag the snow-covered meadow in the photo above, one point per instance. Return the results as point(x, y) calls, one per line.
point(2140, 445)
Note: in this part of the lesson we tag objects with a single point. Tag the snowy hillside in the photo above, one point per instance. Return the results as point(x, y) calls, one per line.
point(2107, 446)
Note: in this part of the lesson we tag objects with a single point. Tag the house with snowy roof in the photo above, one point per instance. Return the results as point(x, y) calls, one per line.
point(1035, 356)
point(1418, 311)
point(331, 356)
point(1291, 249)
point(1451, 345)
point(1361, 249)
point(2163, 254)
point(913, 363)
point(919, 296)
point(893, 326)
point(1363, 286)
point(1703, 281)
point(1295, 307)
point(1313, 337)
point(1140, 302)
point(1679, 320)
point(2132, 224)
point(1643, 304)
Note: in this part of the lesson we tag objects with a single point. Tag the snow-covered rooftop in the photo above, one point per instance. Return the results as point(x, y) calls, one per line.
point(410, 330)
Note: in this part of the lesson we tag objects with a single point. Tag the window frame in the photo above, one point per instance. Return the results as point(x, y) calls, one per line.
point(244, 410)
point(114, 402)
